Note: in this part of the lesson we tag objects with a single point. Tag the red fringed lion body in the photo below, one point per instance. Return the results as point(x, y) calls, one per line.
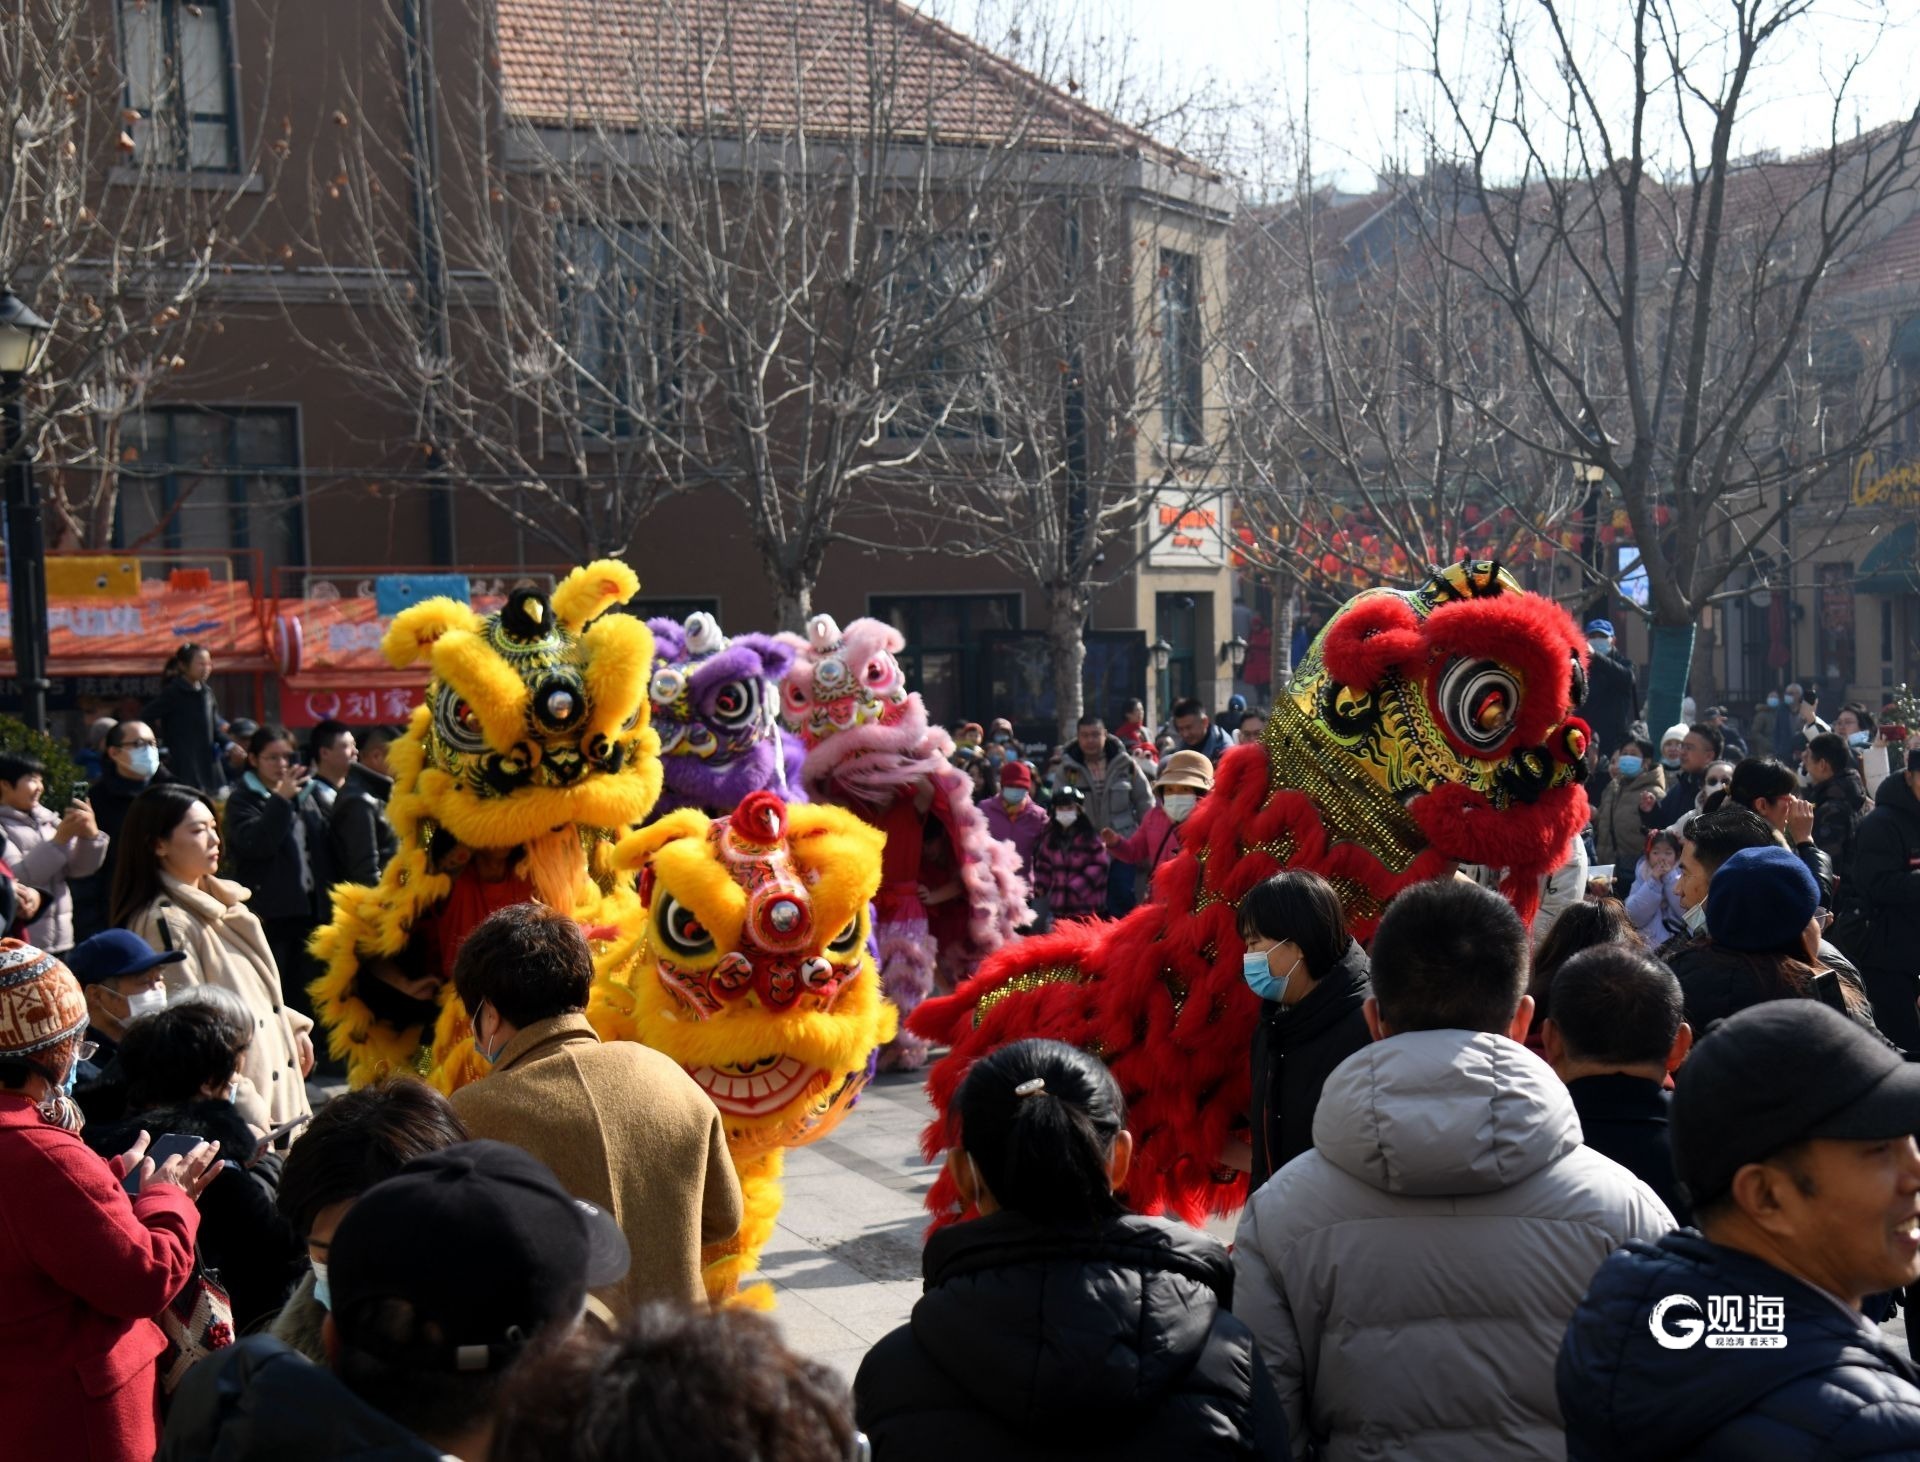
point(1423, 730)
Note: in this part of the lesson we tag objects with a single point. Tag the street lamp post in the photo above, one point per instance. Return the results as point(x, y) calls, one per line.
point(23, 341)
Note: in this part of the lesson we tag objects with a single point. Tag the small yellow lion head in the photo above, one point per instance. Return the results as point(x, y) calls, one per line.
point(752, 967)
point(536, 716)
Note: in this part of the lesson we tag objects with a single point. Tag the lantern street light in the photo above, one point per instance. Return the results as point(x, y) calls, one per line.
point(23, 344)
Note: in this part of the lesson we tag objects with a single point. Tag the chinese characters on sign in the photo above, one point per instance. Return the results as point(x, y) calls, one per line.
point(1187, 531)
point(356, 707)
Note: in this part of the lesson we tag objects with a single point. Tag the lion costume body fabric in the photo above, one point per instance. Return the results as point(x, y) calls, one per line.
point(1423, 729)
point(530, 756)
point(716, 708)
point(751, 968)
point(871, 749)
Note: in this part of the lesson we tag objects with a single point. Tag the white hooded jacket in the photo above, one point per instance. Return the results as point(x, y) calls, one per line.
point(1410, 1279)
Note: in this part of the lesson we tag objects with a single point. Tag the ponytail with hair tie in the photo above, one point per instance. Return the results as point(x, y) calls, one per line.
point(1045, 1160)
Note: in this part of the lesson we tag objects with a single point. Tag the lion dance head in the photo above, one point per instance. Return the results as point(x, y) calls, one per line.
point(751, 968)
point(716, 707)
point(533, 739)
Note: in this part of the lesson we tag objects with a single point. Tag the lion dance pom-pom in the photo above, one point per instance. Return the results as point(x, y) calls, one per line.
point(750, 968)
point(1422, 730)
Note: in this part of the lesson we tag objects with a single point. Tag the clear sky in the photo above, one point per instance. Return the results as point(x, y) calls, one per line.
point(1354, 61)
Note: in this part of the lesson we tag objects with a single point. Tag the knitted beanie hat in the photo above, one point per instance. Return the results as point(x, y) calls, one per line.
point(1760, 899)
point(41, 1004)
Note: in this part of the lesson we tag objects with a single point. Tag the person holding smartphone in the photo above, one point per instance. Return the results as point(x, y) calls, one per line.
point(84, 1265)
point(45, 849)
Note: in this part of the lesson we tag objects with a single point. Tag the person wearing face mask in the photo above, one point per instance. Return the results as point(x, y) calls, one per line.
point(124, 979)
point(1839, 798)
point(166, 892)
point(1714, 784)
point(84, 1266)
point(1069, 862)
point(356, 1140)
point(1618, 834)
point(133, 765)
point(1312, 980)
point(1014, 817)
point(1613, 696)
point(1185, 779)
point(1763, 724)
point(182, 1066)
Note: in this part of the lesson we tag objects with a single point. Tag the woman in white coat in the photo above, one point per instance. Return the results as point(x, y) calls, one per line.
point(164, 890)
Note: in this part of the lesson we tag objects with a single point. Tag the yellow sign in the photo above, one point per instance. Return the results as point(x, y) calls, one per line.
point(1898, 487)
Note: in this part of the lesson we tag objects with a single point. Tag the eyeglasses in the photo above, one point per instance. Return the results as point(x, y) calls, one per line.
point(134, 745)
point(86, 1050)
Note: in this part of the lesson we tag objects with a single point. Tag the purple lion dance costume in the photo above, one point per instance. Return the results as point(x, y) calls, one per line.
point(869, 749)
point(716, 704)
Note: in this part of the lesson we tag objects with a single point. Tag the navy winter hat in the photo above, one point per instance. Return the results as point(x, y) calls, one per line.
point(1760, 899)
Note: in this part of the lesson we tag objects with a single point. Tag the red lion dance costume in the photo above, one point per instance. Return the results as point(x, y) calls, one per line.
point(871, 750)
point(1423, 730)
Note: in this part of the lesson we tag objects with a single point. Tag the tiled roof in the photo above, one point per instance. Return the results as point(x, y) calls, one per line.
point(777, 64)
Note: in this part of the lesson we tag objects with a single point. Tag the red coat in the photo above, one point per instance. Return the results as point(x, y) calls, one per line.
point(83, 1268)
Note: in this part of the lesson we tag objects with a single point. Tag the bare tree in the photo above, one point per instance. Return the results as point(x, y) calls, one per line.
point(123, 199)
point(1667, 292)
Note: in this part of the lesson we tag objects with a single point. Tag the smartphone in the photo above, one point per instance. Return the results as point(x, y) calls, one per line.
point(81, 791)
point(171, 1144)
point(266, 1144)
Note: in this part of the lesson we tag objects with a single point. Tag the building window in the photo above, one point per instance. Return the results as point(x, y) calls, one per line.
point(945, 659)
point(940, 333)
point(1180, 345)
point(211, 480)
point(178, 57)
point(619, 325)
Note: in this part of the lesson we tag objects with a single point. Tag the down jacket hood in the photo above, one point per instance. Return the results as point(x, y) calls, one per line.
point(1443, 1113)
point(1051, 1330)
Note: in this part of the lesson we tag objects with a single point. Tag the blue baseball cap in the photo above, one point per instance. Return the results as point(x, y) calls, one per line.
point(115, 953)
point(1600, 627)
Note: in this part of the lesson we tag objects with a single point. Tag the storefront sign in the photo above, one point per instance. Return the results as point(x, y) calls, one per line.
point(1188, 531)
point(309, 706)
point(1898, 487)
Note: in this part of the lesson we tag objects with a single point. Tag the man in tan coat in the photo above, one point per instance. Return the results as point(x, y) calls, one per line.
point(620, 1125)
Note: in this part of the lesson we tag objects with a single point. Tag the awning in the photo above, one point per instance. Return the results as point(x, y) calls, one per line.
point(1891, 565)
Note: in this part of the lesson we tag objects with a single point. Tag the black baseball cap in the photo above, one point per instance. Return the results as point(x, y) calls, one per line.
point(113, 953)
point(486, 1247)
point(1780, 1073)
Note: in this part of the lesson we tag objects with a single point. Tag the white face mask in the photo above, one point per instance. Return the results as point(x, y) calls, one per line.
point(146, 1002)
point(1180, 805)
point(1067, 816)
point(1697, 918)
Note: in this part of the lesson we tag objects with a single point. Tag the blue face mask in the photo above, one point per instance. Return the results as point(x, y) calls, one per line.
point(1670, 762)
point(143, 761)
point(490, 1057)
point(322, 1290)
point(1261, 979)
point(1860, 740)
point(1630, 766)
point(1773, 700)
point(1013, 796)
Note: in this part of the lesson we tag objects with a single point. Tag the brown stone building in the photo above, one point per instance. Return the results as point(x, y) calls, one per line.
point(501, 284)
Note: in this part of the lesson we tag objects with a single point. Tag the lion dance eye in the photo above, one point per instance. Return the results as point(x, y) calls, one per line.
point(847, 940)
point(736, 703)
point(457, 723)
point(1480, 700)
point(682, 931)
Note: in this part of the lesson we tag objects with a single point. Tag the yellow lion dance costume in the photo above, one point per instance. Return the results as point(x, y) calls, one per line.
point(752, 970)
point(533, 751)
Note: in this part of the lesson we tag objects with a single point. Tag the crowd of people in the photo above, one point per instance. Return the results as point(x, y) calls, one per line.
point(1512, 1191)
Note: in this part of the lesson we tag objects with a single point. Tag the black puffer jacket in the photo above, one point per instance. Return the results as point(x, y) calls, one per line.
point(1294, 1051)
point(1836, 1389)
point(258, 1401)
point(287, 874)
point(1839, 806)
point(254, 1252)
point(1033, 1342)
point(1885, 879)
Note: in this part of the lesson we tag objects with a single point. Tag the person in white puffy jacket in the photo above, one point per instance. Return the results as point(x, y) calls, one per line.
point(1409, 1279)
point(45, 850)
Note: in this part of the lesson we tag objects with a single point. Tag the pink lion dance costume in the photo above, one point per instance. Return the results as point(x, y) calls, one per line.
point(870, 750)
